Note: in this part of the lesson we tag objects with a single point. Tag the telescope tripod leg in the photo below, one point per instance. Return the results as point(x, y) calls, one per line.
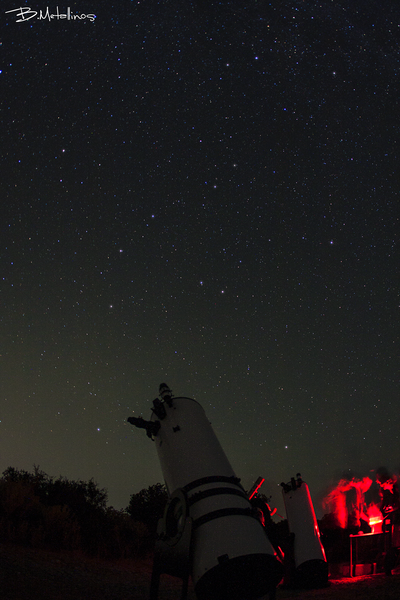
point(155, 579)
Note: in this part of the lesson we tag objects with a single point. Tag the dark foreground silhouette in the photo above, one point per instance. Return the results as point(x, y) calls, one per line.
point(29, 574)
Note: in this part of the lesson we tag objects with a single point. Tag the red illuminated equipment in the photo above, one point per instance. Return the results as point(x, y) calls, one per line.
point(373, 527)
point(209, 528)
point(310, 568)
point(376, 551)
point(254, 489)
point(375, 519)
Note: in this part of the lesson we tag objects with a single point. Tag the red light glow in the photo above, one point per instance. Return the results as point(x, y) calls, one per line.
point(375, 518)
point(256, 487)
point(347, 502)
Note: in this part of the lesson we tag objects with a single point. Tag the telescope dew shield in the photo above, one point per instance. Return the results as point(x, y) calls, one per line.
point(309, 555)
point(231, 555)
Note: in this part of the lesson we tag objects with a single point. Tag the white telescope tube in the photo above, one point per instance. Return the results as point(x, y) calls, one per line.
point(231, 555)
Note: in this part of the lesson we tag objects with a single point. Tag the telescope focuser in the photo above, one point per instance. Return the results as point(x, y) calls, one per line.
point(151, 427)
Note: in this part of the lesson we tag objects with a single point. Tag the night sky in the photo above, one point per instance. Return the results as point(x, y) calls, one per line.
point(206, 194)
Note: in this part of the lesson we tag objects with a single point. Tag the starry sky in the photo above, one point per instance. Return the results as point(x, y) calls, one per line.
point(207, 194)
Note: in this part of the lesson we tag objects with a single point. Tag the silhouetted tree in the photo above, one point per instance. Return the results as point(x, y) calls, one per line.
point(78, 495)
point(40, 511)
point(147, 506)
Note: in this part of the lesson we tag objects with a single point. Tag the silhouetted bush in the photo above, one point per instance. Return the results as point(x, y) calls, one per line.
point(42, 512)
point(147, 506)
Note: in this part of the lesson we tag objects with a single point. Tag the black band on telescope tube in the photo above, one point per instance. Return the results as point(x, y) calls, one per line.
point(216, 492)
point(212, 479)
point(223, 512)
